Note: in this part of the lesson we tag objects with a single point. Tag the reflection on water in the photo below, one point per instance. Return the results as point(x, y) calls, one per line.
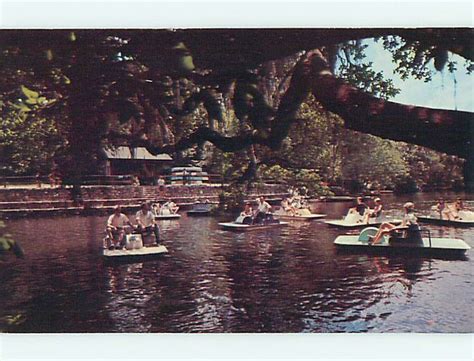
point(283, 280)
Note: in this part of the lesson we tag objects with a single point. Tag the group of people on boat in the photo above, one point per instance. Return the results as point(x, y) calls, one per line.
point(169, 207)
point(362, 213)
point(293, 204)
point(118, 225)
point(452, 211)
point(262, 214)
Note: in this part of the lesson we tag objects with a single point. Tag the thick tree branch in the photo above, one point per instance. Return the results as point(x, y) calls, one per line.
point(298, 90)
point(446, 131)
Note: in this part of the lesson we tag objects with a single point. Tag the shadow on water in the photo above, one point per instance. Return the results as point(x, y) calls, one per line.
point(282, 280)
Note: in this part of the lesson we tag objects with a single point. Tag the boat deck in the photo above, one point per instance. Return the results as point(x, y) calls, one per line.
point(141, 252)
point(343, 224)
point(433, 245)
point(308, 217)
point(239, 227)
point(446, 222)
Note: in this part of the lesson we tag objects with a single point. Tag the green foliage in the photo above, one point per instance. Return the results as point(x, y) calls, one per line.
point(184, 59)
point(406, 184)
point(414, 57)
point(353, 69)
point(430, 169)
point(297, 178)
point(110, 84)
point(369, 159)
point(231, 200)
point(8, 244)
point(28, 141)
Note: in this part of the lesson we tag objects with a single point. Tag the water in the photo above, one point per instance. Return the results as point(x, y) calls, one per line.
point(283, 280)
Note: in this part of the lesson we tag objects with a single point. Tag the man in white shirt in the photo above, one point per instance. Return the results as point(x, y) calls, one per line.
point(116, 224)
point(263, 207)
point(146, 222)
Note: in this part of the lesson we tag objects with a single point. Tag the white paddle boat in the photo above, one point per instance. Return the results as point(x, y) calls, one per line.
point(464, 218)
point(355, 220)
point(165, 213)
point(245, 223)
point(402, 240)
point(302, 214)
point(200, 210)
point(133, 248)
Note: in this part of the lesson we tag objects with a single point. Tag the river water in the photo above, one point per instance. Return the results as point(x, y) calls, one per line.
point(283, 280)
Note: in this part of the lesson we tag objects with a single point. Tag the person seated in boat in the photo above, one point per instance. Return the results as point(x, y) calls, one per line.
point(359, 210)
point(409, 223)
point(457, 207)
point(169, 207)
point(375, 212)
point(288, 206)
point(155, 208)
point(449, 212)
point(246, 216)
point(457, 211)
point(440, 207)
point(263, 210)
point(117, 225)
point(296, 202)
point(146, 222)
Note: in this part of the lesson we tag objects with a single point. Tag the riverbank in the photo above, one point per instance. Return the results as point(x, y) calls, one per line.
point(21, 202)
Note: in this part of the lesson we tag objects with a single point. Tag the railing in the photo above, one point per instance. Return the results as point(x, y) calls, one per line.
point(23, 180)
point(97, 179)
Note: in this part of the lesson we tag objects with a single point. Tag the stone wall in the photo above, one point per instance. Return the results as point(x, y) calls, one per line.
point(18, 202)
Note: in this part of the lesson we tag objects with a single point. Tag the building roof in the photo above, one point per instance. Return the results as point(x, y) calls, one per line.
point(139, 153)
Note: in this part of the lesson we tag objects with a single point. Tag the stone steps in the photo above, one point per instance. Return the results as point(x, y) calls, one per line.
point(105, 198)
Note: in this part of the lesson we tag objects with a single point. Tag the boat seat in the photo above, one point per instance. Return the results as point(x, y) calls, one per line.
point(366, 233)
point(408, 235)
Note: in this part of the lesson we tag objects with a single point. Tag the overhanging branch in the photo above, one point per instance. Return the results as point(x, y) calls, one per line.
point(446, 131)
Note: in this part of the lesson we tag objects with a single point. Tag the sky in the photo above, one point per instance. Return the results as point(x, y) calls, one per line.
point(441, 92)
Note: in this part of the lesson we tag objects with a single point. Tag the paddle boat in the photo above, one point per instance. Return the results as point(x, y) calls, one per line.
point(245, 223)
point(165, 212)
point(337, 198)
point(133, 247)
point(464, 218)
point(301, 214)
point(402, 240)
point(200, 209)
point(355, 220)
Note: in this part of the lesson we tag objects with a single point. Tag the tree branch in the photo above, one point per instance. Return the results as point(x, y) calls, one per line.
point(446, 131)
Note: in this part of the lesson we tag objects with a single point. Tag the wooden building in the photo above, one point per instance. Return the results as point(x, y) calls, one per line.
point(138, 161)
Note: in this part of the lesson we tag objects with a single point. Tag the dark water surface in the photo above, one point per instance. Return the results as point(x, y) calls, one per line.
point(286, 280)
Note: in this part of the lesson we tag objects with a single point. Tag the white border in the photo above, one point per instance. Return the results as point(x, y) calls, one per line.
point(238, 346)
point(215, 14)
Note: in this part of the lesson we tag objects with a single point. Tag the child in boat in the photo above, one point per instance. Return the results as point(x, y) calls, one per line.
point(115, 229)
point(409, 220)
point(146, 222)
point(374, 213)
